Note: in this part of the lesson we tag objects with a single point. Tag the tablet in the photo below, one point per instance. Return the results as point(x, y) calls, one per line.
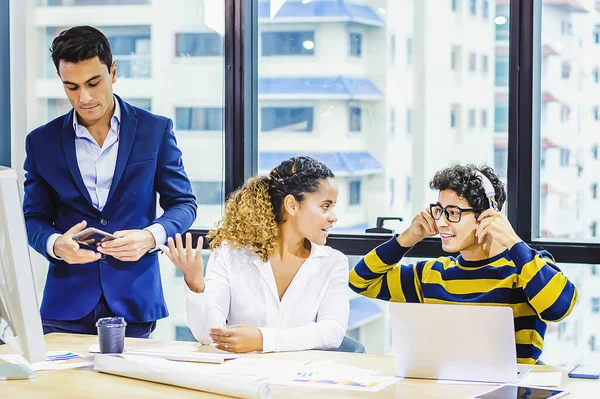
point(517, 392)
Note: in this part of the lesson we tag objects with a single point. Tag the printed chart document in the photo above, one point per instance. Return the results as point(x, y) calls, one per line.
point(325, 374)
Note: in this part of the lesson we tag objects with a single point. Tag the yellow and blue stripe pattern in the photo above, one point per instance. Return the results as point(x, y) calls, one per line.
point(526, 280)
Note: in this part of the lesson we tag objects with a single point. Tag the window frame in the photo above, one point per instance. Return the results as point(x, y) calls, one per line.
point(241, 125)
point(5, 105)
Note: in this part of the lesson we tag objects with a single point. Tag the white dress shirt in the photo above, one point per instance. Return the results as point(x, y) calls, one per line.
point(240, 289)
point(97, 167)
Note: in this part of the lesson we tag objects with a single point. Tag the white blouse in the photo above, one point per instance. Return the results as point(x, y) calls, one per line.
point(240, 289)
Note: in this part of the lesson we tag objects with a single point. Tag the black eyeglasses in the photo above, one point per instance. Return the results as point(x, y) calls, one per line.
point(453, 213)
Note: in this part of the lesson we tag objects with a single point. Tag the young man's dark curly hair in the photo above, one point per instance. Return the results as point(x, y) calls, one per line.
point(465, 182)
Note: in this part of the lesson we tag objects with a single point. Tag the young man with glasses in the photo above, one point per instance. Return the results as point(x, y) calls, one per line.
point(494, 266)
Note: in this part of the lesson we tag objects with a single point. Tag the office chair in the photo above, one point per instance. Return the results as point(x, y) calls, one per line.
point(350, 345)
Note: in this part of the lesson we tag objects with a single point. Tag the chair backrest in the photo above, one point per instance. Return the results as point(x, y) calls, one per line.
point(350, 345)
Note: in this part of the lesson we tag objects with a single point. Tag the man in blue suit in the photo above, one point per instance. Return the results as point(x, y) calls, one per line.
point(101, 165)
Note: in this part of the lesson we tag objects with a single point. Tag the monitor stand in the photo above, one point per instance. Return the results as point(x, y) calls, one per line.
point(15, 371)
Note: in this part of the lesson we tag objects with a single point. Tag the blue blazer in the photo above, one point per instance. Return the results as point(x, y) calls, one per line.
point(148, 162)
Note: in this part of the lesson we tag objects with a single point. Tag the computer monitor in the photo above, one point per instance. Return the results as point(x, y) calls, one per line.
point(20, 321)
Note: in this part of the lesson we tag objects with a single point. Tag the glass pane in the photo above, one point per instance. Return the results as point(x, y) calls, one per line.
point(365, 88)
point(569, 117)
point(170, 62)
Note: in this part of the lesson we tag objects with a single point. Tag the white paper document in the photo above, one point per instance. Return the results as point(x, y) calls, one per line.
point(550, 379)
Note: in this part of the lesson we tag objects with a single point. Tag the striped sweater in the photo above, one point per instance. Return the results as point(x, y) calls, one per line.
point(526, 280)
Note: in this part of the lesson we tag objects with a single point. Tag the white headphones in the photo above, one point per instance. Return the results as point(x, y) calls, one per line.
point(490, 193)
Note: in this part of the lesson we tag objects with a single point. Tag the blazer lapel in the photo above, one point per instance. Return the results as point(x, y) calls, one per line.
point(127, 134)
point(68, 144)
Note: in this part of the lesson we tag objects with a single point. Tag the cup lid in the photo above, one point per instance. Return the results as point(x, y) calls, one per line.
point(111, 322)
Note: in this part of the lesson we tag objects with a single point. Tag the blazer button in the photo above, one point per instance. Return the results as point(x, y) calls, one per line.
point(103, 222)
point(102, 256)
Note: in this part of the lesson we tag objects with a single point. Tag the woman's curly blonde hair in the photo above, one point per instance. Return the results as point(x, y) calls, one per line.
point(254, 212)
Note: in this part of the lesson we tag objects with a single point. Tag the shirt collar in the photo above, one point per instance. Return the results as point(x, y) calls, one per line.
point(316, 251)
point(115, 121)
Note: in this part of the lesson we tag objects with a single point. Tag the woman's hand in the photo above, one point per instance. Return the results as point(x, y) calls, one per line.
point(238, 338)
point(189, 263)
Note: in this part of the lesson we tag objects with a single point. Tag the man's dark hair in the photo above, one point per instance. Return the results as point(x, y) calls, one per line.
point(81, 43)
point(467, 184)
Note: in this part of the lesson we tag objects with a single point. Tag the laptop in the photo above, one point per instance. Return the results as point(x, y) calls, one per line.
point(455, 342)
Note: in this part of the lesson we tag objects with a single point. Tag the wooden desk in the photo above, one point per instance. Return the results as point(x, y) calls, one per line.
point(86, 383)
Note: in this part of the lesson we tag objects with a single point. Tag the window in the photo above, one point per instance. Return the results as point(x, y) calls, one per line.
point(596, 305)
point(596, 113)
point(484, 118)
point(501, 71)
point(149, 49)
point(485, 8)
point(565, 70)
point(208, 192)
point(565, 113)
point(455, 58)
point(472, 62)
point(596, 75)
point(452, 118)
point(501, 118)
point(484, 64)
point(183, 333)
point(355, 44)
point(594, 229)
point(131, 50)
point(454, 5)
point(595, 190)
point(354, 192)
point(287, 43)
point(355, 119)
point(565, 156)
point(597, 34)
point(198, 45)
point(332, 82)
point(199, 118)
point(471, 119)
point(408, 122)
point(392, 192)
point(595, 151)
point(297, 119)
point(393, 49)
point(473, 7)
point(501, 161)
point(566, 28)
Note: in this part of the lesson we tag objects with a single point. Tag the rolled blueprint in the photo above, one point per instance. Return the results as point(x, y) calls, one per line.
point(180, 374)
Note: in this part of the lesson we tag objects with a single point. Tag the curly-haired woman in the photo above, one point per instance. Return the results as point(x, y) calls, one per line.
point(271, 284)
